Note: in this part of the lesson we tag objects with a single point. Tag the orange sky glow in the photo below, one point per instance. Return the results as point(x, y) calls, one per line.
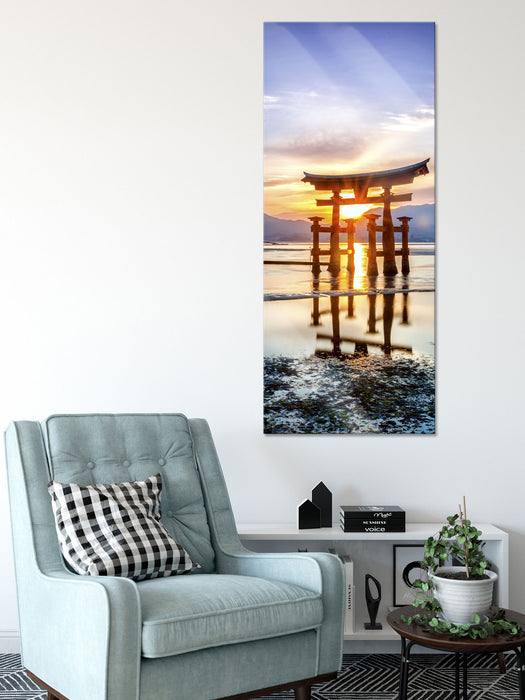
point(345, 98)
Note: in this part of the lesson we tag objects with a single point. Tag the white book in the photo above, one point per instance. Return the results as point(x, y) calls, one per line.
point(349, 624)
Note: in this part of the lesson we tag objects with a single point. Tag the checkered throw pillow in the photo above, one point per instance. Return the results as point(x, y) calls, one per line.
point(115, 530)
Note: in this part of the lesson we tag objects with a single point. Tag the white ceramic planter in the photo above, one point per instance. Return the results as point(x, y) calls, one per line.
point(462, 599)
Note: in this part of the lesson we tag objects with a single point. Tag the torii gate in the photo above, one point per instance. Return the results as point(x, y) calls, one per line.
point(360, 184)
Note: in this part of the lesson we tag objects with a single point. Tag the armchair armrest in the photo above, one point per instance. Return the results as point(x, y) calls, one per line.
point(82, 635)
point(298, 568)
point(320, 572)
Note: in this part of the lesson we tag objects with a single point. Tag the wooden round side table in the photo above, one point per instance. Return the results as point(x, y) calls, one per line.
point(461, 647)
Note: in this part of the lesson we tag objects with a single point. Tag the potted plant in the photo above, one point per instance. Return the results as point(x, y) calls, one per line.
point(464, 589)
point(457, 593)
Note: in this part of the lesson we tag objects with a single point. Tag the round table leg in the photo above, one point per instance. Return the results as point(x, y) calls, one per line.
point(405, 665)
point(520, 663)
point(465, 689)
point(402, 691)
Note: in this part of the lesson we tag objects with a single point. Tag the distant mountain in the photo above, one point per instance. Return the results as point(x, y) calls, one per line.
point(283, 230)
point(422, 226)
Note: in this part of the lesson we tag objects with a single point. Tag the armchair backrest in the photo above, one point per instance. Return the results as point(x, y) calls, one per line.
point(110, 449)
point(104, 448)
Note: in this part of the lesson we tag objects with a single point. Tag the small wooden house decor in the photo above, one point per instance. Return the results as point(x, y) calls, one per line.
point(308, 516)
point(322, 498)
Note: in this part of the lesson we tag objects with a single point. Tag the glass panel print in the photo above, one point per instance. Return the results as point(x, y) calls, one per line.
point(349, 228)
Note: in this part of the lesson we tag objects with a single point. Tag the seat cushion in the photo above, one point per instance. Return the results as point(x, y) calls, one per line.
point(182, 613)
point(110, 449)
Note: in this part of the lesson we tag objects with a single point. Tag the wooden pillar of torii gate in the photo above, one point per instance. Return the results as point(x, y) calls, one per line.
point(360, 185)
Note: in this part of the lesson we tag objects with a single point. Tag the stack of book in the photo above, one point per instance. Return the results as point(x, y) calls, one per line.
point(349, 621)
point(372, 519)
point(349, 624)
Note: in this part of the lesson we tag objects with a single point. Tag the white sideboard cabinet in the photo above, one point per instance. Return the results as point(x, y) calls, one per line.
point(373, 553)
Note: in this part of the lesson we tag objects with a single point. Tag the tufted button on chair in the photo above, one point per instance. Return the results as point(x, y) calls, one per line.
point(243, 625)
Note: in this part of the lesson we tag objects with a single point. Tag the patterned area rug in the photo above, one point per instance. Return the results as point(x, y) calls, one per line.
point(363, 677)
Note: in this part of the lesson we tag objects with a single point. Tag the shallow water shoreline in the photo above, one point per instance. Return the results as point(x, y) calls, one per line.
point(344, 293)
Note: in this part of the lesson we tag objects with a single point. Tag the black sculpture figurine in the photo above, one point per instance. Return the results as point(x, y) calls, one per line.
point(372, 603)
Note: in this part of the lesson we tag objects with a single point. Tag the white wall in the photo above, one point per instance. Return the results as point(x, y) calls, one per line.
point(131, 228)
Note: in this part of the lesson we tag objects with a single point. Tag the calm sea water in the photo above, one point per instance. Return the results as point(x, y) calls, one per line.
point(304, 314)
point(287, 280)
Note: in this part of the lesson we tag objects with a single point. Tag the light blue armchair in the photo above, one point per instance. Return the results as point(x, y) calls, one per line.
point(244, 625)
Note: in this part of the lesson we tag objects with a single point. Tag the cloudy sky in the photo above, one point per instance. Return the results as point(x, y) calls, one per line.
point(345, 98)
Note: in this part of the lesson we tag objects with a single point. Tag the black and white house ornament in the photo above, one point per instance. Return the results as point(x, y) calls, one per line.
point(308, 516)
point(322, 498)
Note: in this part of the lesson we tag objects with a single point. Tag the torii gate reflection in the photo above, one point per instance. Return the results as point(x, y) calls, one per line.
point(361, 344)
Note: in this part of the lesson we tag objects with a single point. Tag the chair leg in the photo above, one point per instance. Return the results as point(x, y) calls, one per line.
point(52, 696)
point(303, 693)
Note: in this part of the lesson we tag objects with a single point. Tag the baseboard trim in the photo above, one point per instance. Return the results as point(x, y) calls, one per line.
point(9, 642)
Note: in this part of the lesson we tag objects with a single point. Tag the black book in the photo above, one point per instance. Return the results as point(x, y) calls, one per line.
point(373, 519)
point(360, 512)
point(375, 515)
point(385, 516)
point(373, 526)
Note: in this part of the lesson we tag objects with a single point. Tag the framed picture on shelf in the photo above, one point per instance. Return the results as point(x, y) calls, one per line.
point(407, 568)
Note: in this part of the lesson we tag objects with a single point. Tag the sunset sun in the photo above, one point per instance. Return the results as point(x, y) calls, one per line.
point(354, 211)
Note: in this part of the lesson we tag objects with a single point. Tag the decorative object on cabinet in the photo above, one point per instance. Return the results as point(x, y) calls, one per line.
point(407, 568)
point(322, 498)
point(372, 519)
point(308, 516)
point(349, 626)
point(372, 603)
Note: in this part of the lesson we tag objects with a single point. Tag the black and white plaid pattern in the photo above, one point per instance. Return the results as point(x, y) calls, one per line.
point(115, 530)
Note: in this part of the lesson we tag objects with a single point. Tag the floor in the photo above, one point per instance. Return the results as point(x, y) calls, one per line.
point(363, 677)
